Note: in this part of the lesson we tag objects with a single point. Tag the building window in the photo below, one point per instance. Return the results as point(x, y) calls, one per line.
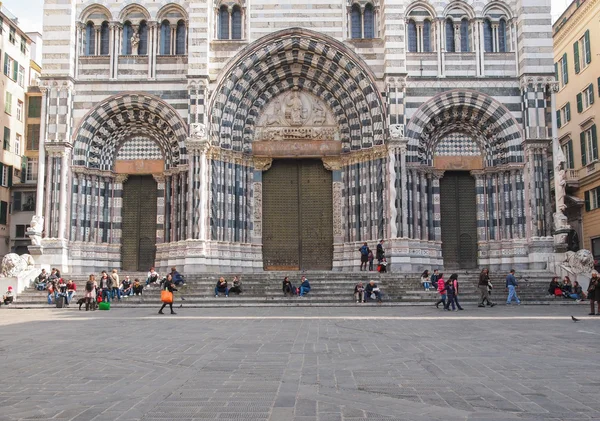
point(592, 199)
point(561, 71)
point(236, 22)
point(568, 152)
point(502, 36)
point(180, 38)
point(494, 36)
point(3, 212)
point(369, 22)
point(8, 64)
point(6, 139)
point(21, 230)
point(589, 145)
point(19, 110)
point(464, 35)
point(21, 77)
point(356, 22)
point(127, 34)
point(33, 137)
point(563, 116)
point(582, 52)
point(23, 45)
point(11, 36)
point(6, 176)
point(419, 36)
point(450, 45)
point(585, 99)
point(143, 33)
point(596, 247)
point(90, 39)
point(223, 32)
point(23, 202)
point(34, 109)
point(165, 38)
point(426, 36)
point(18, 140)
point(104, 39)
point(488, 40)
point(32, 169)
point(8, 103)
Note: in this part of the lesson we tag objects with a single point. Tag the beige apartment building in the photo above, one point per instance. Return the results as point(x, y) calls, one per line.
point(577, 64)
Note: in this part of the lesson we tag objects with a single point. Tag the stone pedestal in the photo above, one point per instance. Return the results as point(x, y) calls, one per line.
point(53, 252)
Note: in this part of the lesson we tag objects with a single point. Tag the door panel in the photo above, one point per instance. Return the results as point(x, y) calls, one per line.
point(297, 216)
point(138, 230)
point(459, 220)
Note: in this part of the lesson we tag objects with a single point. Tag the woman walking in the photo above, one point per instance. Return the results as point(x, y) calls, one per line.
point(168, 286)
point(452, 293)
point(594, 293)
point(441, 286)
point(91, 288)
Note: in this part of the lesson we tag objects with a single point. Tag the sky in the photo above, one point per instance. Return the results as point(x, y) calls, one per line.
point(30, 12)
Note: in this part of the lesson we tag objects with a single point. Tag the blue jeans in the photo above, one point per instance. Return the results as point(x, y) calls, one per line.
point(377, 295)
point(70, 296)
point(117, 292)
point(51, 297)
point(106, 295)
point(512, 293)
point(304, 290)
point(226, 291)
point(574, 296)
point(426, 285)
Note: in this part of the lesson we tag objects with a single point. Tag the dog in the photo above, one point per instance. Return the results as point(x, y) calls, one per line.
point(81, 302)
point(93, 303)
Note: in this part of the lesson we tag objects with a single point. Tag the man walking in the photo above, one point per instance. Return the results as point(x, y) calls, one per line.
point(484, 278)
point(511, 286)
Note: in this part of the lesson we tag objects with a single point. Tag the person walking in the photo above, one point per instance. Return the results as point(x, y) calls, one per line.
point(484, 278)
point(105, 286)
point(594, 293)
point(441, 287)
point(452, 293)
point(380, 252)
point(511, 286)
point(168, 285)
point(425, 280)
point(364, 256)
point(90, 293)
point(116, 285)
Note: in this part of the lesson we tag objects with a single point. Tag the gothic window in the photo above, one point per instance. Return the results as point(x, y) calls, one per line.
point(369, 21)
point(127, 34)
point(165, 38)
point(223, 23)
point(488, 39)
point(427, 36)
point(356, 22)
point(450, 36)
point(104, 39)
point(180, 37)
point(236, 22)
point(90, 39)
point(412, 36)
point(502, 36)
point(464, 35)
point(143, 33)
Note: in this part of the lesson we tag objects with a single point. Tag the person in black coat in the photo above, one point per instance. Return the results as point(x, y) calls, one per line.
point(168, 286)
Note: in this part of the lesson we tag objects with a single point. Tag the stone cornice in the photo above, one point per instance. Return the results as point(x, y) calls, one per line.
point(573, 21)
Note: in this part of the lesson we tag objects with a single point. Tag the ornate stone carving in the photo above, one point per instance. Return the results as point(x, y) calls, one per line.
point(257, 211)
point(338, 230)
point(35, 230)
point(296, 115)
point(396, 131)
point(135, 42)
point(121, 178)
point(198, 130)
point(13, 264)
point(262, 164)
point(332, 163)
point(376, 152)
point(580, 262)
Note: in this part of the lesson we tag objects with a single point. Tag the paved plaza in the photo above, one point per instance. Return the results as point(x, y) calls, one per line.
point(300, 364)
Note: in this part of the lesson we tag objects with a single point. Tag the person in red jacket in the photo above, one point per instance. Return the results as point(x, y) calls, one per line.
point(441, 286)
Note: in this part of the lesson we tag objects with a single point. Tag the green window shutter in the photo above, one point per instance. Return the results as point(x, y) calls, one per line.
point(576, 54)
point(6, 138)
point(3, 212)
point(565, 69)
point(15, 75)
point(16, 203)
point(579, 103)
point(594, 144)
point(23, 169)
point(599, 86)
point(591, 88)
point(587, 200)
point(571, 157)
point(6, 65)
point(10, 176)
point(568, 111)
point(588, 52)
point(583, 154)
point(556, 71)
point(558, 118)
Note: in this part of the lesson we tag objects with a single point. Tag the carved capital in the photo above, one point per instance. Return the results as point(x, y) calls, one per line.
point(159, 178)
point(332, 163)
point(262, 163)
point(121, 178)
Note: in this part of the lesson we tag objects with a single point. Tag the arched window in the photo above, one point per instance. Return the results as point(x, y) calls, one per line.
point(502, 36)
point(104, 39)
point(90, 39)
point(143, 33)
point(464, 35)
point(127, 34)
point(369, 21)
point(356, 22)
point(488, 40)
point(427, 36)
point(180, 38)
point(223, 23)
point(236, 22)
point(165, 38)
point(412, 36)
point(450, 36)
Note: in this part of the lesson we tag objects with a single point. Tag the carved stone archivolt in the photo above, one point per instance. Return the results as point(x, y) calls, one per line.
point(376, 152)
point(296, 115)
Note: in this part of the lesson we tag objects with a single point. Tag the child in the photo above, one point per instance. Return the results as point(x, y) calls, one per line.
point(450, 295)
point(370, 258)
point(8, 297)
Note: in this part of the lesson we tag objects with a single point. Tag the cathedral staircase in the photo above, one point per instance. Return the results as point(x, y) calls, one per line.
point(328, 289)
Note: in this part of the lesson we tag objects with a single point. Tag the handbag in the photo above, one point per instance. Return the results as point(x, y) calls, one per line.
point(166, 297)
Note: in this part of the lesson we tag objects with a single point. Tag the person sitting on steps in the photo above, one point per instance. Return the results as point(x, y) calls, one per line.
point(138, 287)
point(152, 277)
point(425, 280)
point(237, 286)
point(304, 286)
point(8, 296)
point(287, 287)
point(221, 287)
point(373, 289)
point(359, 293)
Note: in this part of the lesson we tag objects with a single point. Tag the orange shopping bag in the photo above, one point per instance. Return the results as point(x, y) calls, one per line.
point(166, 296)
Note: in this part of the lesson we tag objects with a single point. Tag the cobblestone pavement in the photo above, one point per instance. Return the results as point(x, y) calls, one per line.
point(300, 364)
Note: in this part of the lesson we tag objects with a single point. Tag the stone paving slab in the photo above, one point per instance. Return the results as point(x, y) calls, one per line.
point(300, 364)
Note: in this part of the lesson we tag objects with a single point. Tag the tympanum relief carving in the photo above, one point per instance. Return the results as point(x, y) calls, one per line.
point(296, 115)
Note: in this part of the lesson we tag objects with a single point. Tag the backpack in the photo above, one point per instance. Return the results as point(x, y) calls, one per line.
point(89, 286)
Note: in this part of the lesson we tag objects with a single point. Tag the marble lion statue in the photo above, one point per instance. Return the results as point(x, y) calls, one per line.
point(13, 264)
point(581, 261)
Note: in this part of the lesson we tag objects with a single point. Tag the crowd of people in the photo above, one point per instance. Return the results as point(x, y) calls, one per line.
point(367, 257)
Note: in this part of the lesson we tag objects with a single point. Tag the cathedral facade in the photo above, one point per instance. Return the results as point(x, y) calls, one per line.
point(246, 136)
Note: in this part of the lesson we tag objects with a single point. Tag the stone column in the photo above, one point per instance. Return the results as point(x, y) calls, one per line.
point(334, 165)
point(152, 46)
point(404, 191)
point(117, 213)
point(480, 203)
point(515, 206)
point(190, 192)
point(39, 198)
point(260, 165)
point(481, 50)
point(160, 208)
point(111, 48)
point(532, 193)
point(174, 207)
point(49, 192)
point(393, 194)
point(437, 212)
point(415, 204)
point(80, 30)
point(423, 195)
